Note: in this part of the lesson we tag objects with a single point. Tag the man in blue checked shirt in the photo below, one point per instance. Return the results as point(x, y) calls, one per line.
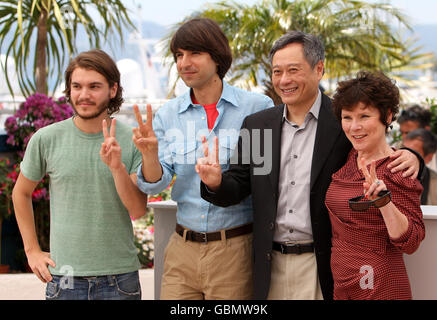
point(210, 254)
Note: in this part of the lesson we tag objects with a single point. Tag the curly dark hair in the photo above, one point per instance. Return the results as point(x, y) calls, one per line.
point(371, 88)
point(99, 61)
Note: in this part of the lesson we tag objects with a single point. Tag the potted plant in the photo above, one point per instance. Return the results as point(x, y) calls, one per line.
point(36, 112)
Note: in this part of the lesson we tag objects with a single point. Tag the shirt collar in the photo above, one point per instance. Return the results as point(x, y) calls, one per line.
point(314, 111)
point(228, 94)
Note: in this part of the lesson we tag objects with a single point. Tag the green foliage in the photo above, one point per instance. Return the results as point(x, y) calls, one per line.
point(396, 137)
point(36, 112)
point(53, 25)
point(432, 104)
point(356, 34)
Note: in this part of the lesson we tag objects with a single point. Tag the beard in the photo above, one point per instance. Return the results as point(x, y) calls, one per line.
point(100, 109)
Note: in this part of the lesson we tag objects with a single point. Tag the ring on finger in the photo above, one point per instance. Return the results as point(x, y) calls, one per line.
point(378, 182)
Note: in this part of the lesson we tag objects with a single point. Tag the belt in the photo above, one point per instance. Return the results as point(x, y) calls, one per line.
point(213, 236)
point(296, 248)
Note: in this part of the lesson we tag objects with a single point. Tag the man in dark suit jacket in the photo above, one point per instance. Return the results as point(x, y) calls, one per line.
point(302, 145)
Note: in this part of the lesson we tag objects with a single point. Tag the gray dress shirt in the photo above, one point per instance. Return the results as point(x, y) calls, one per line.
point(293, 220)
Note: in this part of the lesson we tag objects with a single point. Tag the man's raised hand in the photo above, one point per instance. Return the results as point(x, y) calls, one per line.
point(110, 152)
point(144, 137)
point(208, 167)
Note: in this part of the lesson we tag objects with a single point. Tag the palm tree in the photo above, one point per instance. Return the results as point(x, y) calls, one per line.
point(356, 35)
point(47, 30)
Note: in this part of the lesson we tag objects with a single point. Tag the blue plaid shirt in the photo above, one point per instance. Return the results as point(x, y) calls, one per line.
point(179, 125)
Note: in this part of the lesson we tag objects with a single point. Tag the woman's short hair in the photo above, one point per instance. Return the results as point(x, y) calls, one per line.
point(370, 88)
point(102, 63)
point(204, 35)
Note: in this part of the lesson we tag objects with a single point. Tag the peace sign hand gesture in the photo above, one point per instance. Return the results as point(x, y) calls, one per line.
point(372, 185)
point(208, 167)
point(144, 137)
point(110, 152)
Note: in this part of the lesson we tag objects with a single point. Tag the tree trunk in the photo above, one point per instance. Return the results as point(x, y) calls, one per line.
point(41, 58)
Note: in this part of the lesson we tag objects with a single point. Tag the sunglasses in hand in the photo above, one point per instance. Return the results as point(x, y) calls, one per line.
point(357, 204)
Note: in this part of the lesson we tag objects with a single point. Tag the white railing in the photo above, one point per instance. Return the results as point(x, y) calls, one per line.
point(421, 265)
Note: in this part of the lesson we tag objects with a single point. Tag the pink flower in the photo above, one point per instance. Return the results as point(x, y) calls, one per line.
point(39, 194)
point(154, 199)
point(36, 112)
point(12, 175)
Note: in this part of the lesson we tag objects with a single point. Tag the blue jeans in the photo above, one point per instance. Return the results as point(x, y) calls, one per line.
point(113, 287)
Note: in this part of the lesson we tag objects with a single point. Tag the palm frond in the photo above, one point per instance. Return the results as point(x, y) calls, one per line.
point(357, 35)
point(19, 26)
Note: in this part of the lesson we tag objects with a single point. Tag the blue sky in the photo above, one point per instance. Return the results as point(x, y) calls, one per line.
point(167, 12)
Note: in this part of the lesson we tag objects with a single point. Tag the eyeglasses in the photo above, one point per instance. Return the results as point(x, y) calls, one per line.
point(356, 204)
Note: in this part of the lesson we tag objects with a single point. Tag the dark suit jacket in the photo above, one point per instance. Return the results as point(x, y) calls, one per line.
point(429, 183)
point(330, 153)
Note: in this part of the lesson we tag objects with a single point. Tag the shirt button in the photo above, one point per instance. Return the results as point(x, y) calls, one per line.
point(290, 211)
point(202, 216)
point(291, 230)
point(203, 118)
point(295, 156)
point(271, 226)
point(269, 256)
point(293, 183)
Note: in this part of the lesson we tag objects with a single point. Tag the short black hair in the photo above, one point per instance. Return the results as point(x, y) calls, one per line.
point(416, 113)
point(204, 35)
point(428, 138)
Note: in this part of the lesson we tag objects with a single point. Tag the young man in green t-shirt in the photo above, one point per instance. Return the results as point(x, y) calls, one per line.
point(92, 190)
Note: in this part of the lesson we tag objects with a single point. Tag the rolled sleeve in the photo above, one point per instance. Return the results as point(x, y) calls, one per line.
point(153, 187)
point(406, 197)
point(409, 241)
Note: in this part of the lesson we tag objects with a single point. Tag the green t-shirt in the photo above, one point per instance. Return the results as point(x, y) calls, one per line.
point(91, 232)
